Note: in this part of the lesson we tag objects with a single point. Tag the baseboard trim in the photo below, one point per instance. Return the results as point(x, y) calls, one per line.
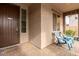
point(13, 45)
point(9, 46)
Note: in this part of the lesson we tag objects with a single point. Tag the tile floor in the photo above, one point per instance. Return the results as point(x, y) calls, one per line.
point(27, 49)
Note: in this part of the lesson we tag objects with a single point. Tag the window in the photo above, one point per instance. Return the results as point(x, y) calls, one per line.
point(56, 22)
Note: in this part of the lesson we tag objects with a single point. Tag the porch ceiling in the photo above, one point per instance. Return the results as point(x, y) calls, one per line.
point(64, 7)
point(25, 5)
point(61, 7)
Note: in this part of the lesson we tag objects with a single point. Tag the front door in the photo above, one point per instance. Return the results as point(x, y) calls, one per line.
point(9, 25)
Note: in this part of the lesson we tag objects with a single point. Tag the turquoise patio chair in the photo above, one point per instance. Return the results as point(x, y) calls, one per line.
point(64, 39)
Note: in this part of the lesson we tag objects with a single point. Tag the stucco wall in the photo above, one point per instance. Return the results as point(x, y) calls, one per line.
point(41, 25)
point(35, 24)
point(46, 25)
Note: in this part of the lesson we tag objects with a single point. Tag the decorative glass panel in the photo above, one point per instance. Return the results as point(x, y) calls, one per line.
point(23, 20)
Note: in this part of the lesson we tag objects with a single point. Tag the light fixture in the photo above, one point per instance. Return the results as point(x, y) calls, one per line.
point(76, 16)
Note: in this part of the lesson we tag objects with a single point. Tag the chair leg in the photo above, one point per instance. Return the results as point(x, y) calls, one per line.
point(69, 46)
point(57, 44)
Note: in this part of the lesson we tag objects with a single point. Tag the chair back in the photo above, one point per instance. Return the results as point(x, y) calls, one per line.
point(57, 34)
point(59, 37)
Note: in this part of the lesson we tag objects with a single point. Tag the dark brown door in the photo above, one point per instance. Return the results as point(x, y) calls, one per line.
point(9, 25)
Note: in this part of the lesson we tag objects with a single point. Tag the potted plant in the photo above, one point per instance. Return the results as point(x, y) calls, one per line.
point(70, 32)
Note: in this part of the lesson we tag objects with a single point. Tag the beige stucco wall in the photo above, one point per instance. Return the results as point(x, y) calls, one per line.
point(35, 24)
point(41, 25)
point(46, 25)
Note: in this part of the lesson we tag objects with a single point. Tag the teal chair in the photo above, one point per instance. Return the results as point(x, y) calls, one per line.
point(64, 39)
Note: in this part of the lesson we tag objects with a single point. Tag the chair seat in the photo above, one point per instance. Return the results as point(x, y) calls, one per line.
point(61, 40)
point(69, 39)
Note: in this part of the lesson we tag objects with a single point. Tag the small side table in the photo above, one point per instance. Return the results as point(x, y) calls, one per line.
point(76, 38)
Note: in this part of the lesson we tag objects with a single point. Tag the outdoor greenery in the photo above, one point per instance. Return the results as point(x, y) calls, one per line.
point(70, 32)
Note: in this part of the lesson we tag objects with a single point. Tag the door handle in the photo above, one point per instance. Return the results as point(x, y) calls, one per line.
point(16, 29)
